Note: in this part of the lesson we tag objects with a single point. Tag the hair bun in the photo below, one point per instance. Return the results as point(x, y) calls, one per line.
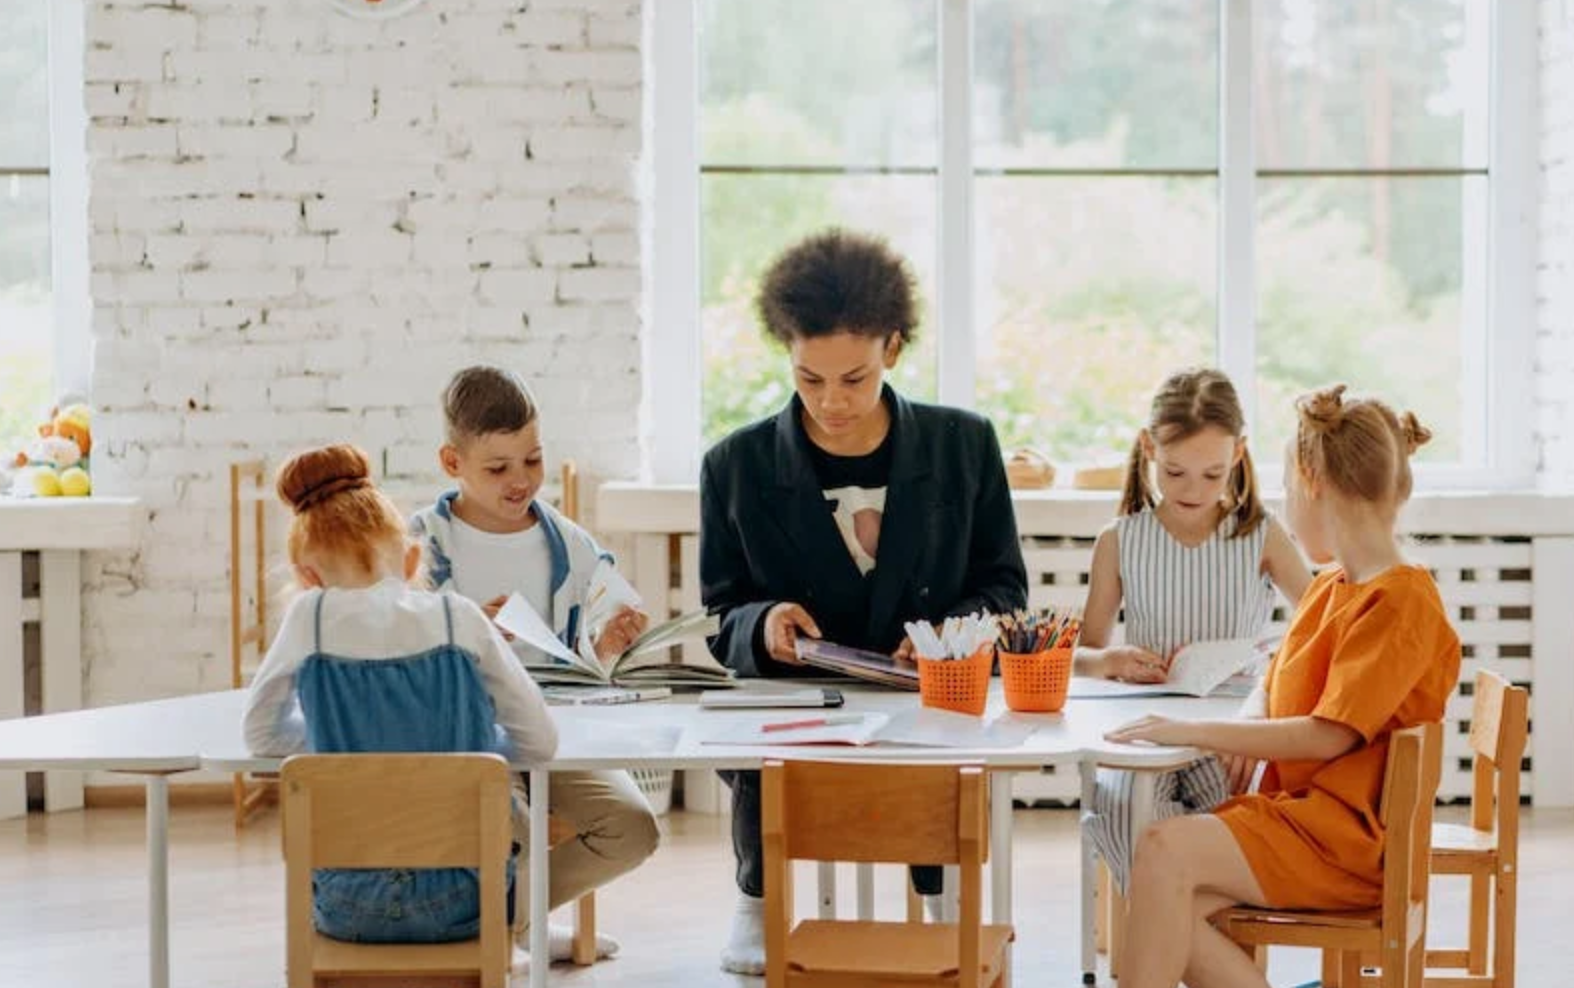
point(310, 478)
point(1322, 411)
point(1416, 435)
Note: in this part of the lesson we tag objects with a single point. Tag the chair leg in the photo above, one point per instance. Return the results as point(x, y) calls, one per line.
point(1480, 920)
point(1350, 969)
point(915, 905)
point(584, 950)
point(1332, 961)
point(1504, 921)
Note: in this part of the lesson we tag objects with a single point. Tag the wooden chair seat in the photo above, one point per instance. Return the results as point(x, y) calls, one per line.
point(1453, 842)
point(924, 954)
point(1360, 919)
point(337, 958)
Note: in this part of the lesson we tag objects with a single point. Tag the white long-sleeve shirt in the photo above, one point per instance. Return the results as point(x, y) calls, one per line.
point(387, 621)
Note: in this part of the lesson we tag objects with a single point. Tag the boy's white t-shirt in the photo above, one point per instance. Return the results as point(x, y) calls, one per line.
point(488, 565)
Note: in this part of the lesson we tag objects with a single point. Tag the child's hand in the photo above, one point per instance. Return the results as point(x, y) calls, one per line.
point(491, 608)
point(1240, 770)
point(1134, 665)
point(1156, 730)
point(625, 625)
point(783, 623)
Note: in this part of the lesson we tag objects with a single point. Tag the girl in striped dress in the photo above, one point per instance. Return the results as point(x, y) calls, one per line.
point(1192, 557)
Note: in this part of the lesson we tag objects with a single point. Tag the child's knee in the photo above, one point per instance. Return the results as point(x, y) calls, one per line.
point(1160, 849)
point(641, 832)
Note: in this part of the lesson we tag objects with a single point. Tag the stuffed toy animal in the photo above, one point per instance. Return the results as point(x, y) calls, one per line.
point(55, 464)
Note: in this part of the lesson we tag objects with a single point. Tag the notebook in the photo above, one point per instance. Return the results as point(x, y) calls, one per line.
point(597, 696)
point(746, 699)
point(921, 727)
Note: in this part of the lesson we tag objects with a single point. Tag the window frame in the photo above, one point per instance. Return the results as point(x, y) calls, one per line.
point(1503, 338)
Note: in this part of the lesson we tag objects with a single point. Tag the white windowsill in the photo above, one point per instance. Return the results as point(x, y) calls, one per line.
point(633, 507)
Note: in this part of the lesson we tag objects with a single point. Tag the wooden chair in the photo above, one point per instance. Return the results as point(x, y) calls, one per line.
point(396, 811)
point(829, 811)
point(1487, 849)
point(1394, 934)
point(249, 494)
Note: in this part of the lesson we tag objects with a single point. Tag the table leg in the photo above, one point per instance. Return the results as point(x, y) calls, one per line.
point(1000, 846)
point(158, 880)
point(1089, 772)
point(540, 955)
point(1000, 827)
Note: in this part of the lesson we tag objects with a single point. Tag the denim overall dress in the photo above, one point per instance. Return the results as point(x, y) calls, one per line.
point(433, 701)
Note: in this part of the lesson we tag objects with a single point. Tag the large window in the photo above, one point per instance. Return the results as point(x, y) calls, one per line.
point(26, 342)
point(1094, 193)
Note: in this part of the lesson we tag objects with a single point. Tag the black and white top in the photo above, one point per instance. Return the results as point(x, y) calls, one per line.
point(1176, 594)
point(854, 488)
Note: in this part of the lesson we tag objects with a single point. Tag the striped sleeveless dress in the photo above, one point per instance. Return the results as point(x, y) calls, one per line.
point(1173, 595)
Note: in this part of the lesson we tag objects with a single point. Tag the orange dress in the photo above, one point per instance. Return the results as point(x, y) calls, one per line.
point(1377, 657)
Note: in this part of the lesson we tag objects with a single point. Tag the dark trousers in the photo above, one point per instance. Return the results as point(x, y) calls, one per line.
point(749, 850)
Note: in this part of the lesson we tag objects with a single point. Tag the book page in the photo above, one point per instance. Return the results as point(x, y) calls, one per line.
point(519, 619)
point(607, 593)
point(1202, 667)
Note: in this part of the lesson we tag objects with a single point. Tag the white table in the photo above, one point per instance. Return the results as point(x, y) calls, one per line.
point(167, 736)
point(154, 740)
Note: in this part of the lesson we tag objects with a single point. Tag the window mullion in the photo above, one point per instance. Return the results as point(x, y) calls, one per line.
point(1237, 283)
point(1510, 325)
point(956, 339)
point(672, 353)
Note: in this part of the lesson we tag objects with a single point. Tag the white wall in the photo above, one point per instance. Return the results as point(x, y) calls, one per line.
point(301, 224)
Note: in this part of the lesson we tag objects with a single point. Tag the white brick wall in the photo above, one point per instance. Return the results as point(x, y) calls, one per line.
point(1555, 273)
point(302, 224)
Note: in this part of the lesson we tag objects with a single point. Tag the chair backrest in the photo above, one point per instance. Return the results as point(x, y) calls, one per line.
point(396, 811)
point(570, 497)
point(248, 491)
point(1499, 724)
point(874, 812)
point(1415, 766)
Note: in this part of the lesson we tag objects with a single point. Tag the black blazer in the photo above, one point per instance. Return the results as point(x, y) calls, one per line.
point(948, 538)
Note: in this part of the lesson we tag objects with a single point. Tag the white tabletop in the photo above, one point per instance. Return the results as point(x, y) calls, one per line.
point(671, 734)
point(156, 736)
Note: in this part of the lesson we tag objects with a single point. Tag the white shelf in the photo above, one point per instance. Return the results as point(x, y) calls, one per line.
point(70, 523)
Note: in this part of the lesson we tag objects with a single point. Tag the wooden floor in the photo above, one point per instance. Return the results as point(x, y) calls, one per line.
point(73, 900)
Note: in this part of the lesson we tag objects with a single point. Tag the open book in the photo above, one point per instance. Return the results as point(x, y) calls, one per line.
point(921, 727)
point(858, 663)
point(648, 661)
point(1226, 667)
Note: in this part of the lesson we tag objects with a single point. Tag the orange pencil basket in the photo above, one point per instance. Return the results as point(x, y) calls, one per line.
point(961, 685)
point(1036, 682)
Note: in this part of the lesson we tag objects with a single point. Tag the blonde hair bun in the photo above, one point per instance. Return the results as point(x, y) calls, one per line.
point(1416, 435)
point(1322, 411)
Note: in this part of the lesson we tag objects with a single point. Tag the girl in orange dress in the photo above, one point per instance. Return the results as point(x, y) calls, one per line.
point(1370, 651)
